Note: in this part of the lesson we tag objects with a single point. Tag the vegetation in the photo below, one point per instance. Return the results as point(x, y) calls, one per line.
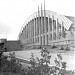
point(9, 65)
point(39, 66)
point(67, 48)
point(54, 47)
point(62, 48)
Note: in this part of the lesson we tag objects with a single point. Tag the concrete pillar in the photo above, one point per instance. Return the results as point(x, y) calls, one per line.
point(45, 28)
point(56, 30)
point(48, 29)
point(52, 28)
point(28, 33)
point(31, 31)
point(45, 25)
point(39, 31)
point(25, 34)
point(62, 29)
point(34, 31)
point(39, 23)
point(42, 32)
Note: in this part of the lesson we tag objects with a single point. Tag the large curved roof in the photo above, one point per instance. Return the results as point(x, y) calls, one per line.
point(67, 22)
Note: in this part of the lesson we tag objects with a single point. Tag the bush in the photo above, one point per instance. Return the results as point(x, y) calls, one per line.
point(54, 46)
point(37, 47)
point(67, 48)
point(10, 66)
point(62, 48)
point(40, 66)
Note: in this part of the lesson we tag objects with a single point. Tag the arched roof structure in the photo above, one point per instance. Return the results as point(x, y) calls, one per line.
point(67, 22)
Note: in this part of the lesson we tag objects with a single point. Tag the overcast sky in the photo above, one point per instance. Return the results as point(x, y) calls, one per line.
point(13, 13)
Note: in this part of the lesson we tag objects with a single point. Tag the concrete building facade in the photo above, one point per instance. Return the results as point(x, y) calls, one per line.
point(45, 28)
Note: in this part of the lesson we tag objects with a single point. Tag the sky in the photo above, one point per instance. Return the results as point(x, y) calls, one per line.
point(13, 13)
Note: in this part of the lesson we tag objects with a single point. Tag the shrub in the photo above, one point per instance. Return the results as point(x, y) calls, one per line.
point(62, 48)
point(67, 48)
point(54, 46)
point(10, 66)
point(41, 66)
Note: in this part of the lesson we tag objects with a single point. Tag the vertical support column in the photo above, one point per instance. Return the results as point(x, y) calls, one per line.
point(56, 29)
point(25, 34)
point(61, 29)
point(42, 26)
point(45, 32)
point(52, 28)
point(39, 30)
point(45, 25)
point(28, 33)
point(48, 29)
point(39, 26)
point(31, 31)
point(34, 30)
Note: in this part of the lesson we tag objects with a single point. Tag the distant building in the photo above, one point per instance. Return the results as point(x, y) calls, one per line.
point(12, 45)
point(2, 40)
point(6, 45)
point(47, 28)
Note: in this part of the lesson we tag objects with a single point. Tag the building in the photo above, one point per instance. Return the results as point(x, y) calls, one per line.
point(11, 45)
point(47, 28)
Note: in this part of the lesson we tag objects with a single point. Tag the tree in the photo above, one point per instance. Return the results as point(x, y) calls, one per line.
point(40, 66)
